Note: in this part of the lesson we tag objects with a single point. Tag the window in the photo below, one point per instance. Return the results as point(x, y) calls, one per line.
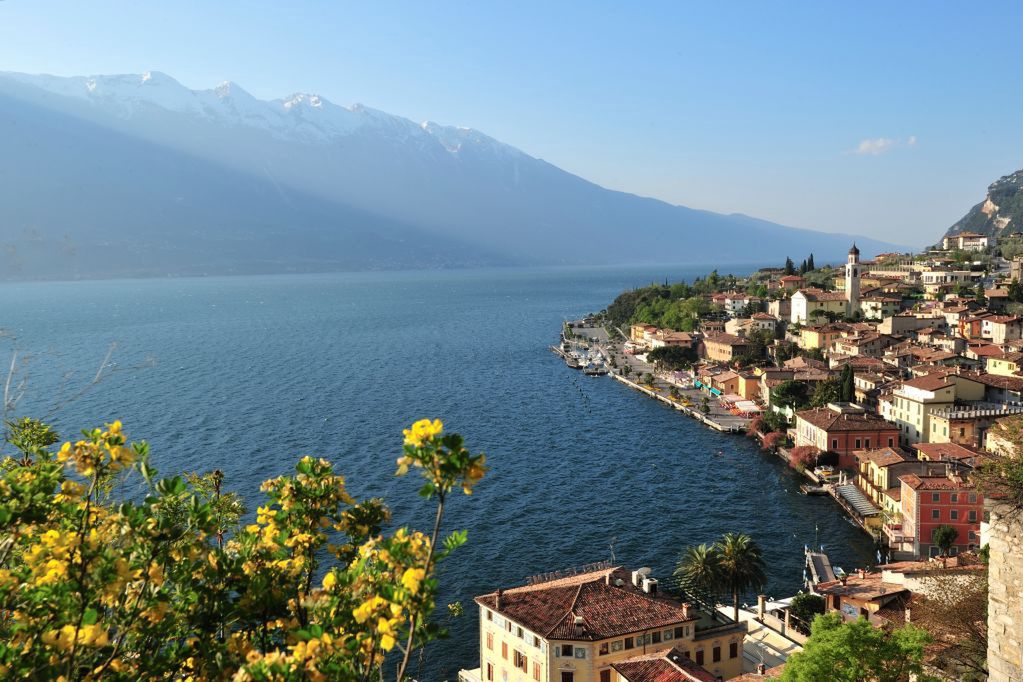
point(686, 654)
point(962, 432)
point(716, 654)
point(699, 657)
point(490, 672)
point(972, 515)
point(955, 497)
point(519, 633)
point(936, 514)
point(616, 645)
point(935, 497)
point(858, 445)
point(891, 441)
point(536, 672)
point(605, 676)
point(567, 677)
point(678, 632)
point(508, 625)
point(504, 650)
point(733, 649)
point(668, 634)
point(580, 652)
point(866, 444)
point(628, 642)
point(490, 615)
point(603, 649)
point(954, 515)
point(973, 535)
point(520, 661)
point(973, 498)
point(490, 641)
point(566, 650)
point(655, 638)
point(834, 443)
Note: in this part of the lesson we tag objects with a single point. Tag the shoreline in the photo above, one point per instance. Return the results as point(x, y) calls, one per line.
point(690, 410)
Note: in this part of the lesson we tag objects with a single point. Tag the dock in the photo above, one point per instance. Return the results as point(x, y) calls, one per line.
point(819, 568)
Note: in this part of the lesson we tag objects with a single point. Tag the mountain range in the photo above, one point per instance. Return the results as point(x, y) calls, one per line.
point(1001, 211)
point(138, 175)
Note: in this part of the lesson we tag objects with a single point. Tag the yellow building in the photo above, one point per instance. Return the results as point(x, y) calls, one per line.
point(872, 476)
point(579, 628)
point(724, 347)
point(915, 400)
point(1007, 365)
point(821, 336)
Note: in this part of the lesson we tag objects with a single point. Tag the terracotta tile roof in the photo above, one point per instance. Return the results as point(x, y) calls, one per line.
point(831, 421)
point(946, 451)
point(669, 665)
point(770, 673)
point(934, 483)
point(883, 457)
point(607, 610)
point(821, 295)
point(726, 339)
point(930, 382)
point(801, 361)
point(792, 278)
point(998, 381)
point(868, 588)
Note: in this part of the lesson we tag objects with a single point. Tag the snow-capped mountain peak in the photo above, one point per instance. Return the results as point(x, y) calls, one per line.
point(301, 117)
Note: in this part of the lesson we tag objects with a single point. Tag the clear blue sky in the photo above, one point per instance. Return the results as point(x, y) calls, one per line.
point(879, 118)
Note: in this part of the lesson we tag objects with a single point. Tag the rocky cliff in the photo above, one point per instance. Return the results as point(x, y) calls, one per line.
point(1001, 212)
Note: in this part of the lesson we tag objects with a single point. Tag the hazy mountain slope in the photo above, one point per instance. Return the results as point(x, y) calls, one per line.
point(468, 191)
point(80, 200)
point(1000, 213)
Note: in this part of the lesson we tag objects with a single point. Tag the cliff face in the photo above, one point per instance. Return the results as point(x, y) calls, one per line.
point(1000, 213)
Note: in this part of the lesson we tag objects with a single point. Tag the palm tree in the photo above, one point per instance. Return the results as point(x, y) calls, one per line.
point(741, 566)
point(699, 567)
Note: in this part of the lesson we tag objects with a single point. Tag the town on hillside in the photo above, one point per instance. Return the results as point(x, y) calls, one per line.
point(888, 383)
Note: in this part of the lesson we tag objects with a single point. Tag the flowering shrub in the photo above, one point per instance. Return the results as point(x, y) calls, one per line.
point(803, 456)
point(162, 588)
point(771, 441)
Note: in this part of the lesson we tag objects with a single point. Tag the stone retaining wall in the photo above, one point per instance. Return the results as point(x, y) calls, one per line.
point(1005, 600)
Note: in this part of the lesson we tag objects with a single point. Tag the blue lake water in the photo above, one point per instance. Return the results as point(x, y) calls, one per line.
point(249, 373)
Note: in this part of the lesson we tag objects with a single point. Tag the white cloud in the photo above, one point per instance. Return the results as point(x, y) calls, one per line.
point(880, 145)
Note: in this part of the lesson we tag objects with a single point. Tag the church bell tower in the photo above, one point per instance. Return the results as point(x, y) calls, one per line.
point(852, 281)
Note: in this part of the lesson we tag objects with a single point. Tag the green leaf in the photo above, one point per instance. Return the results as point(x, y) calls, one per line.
point(90, 617)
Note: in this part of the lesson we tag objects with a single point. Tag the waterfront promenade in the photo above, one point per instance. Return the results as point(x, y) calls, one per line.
point(690, 400)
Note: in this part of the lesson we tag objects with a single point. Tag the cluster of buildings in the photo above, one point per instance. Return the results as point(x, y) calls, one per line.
point(935, 368)
point(936, 363)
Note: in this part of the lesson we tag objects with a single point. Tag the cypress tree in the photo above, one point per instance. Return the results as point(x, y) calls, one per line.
point(790, 268)
point(802, 267)
point(848, 387)
point(809, 264)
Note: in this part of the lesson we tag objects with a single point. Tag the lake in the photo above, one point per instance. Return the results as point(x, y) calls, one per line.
point(247, 374)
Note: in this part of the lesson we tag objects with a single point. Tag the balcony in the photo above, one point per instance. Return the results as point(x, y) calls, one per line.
point(893, 531)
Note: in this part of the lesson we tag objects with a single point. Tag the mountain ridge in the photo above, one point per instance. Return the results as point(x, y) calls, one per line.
point(1001, 211)
point(489, 202)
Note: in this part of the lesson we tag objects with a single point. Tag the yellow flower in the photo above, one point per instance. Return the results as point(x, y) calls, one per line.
point(329, 581)
point(422, 431)
point(412, 578)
